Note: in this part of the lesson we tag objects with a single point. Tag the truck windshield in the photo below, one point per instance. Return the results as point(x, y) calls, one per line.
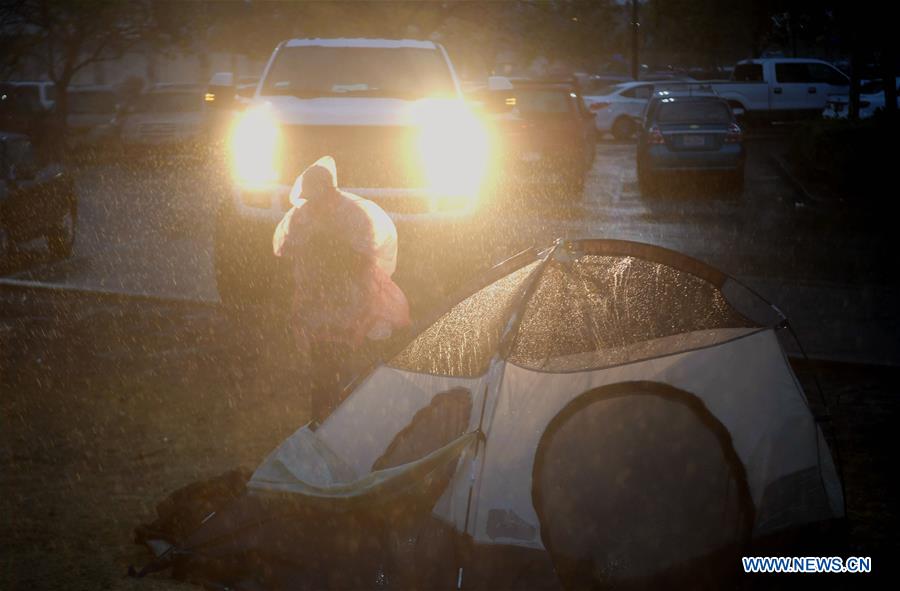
point(694, 112)
point(317, 71)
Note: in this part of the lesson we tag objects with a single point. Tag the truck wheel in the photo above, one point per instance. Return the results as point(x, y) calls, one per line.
point(623, 128)
point(61, 238)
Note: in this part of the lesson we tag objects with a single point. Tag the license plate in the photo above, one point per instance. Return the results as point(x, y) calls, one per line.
point(693, 141)
point(530, 156)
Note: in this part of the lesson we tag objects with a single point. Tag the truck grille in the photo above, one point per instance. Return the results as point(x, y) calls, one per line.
point(366, 156)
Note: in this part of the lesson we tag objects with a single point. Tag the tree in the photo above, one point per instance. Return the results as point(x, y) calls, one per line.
point(66, 36)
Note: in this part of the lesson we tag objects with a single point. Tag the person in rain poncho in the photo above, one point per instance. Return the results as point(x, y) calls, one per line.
point(343, 251)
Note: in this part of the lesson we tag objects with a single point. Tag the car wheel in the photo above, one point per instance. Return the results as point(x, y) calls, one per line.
point(623, 128)
point(61, 238)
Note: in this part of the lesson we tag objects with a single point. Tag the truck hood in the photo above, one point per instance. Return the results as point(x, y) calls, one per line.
point(343, 111)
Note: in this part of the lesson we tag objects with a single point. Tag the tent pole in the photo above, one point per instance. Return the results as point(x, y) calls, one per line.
point(511, 330)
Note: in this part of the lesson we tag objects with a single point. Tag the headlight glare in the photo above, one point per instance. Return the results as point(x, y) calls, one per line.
point(254, 147)
point(453, 148)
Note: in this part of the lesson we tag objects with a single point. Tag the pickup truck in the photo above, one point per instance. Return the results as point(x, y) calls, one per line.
point(392, 115)
point(781, 88)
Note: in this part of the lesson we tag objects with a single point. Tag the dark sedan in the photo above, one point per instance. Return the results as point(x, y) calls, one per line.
point(689, 132)
point(545, 134)
point(36, 199)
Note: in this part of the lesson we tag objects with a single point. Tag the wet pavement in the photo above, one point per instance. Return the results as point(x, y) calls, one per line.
point(110, 402)
point(146, 228)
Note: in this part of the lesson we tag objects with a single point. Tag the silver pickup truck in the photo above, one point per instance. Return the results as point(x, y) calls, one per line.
point(781, 88)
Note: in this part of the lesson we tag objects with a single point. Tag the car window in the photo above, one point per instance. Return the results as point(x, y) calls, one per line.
point(542, 101)
point(639, 92)
point(871, 87)
point(748, 73)
point(18, 99)
point(694, 112)
point(825, 74)
point(600, 87)
point(792, 72)
point(169, 102)
point(403, 72)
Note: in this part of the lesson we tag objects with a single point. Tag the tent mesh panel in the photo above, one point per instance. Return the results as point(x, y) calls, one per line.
point(602, 310)
point(462, 342)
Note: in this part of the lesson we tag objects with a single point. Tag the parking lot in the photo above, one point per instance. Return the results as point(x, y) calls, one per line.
point(145, 228)
point(123, 380)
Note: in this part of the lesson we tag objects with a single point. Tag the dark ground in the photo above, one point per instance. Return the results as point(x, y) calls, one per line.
point(110, 403)
point(108, 406)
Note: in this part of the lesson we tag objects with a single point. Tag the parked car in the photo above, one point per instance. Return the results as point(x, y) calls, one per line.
point(871, 101)
point(618, 109)
point(225, 96)
point(42, 92)
point(601, 83)
point(775, 89)
point(167, 117)
point(21, 111)
point(545, 133)
point(91, 112)
point(688, 131)
point(36, 199)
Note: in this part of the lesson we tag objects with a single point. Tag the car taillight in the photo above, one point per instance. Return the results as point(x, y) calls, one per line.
point(655, 136)
point(734, 134)
point(598, 106)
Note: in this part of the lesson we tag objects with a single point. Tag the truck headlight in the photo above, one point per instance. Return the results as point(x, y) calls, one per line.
point(453, 149)
point(254, 147)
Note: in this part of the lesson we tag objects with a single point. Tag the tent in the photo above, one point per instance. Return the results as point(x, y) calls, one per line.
point(601, 411)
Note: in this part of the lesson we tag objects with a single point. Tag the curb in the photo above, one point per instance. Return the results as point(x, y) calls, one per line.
point(26, 287)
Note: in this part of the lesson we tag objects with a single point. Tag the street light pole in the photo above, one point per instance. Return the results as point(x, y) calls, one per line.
point(635, 28)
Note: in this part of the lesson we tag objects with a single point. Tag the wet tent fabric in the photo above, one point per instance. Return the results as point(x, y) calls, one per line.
point(624, 407)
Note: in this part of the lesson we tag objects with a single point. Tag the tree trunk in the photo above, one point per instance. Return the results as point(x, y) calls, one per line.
point(56, 142)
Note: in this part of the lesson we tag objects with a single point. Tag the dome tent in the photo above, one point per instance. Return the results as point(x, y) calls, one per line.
point(601, 410)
